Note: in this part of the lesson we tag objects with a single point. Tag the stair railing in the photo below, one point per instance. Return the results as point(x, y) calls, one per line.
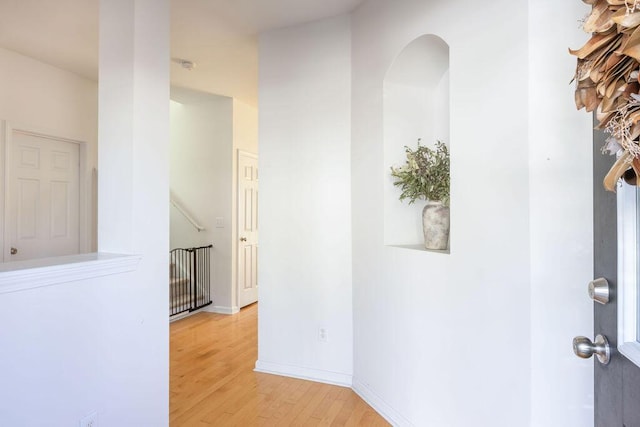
point(176, 204)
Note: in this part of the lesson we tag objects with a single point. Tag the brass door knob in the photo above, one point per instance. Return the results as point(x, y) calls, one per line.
point(243, 239)
point(14, 251)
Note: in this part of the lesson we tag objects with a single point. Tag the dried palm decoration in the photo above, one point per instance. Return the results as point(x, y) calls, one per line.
point(608, 80)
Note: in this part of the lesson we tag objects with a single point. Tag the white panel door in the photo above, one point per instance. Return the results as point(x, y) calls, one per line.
point(43, 200)
point(247, 229)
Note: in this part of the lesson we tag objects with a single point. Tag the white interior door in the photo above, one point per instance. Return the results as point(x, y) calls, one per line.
point(247, 228)
point(43, 200)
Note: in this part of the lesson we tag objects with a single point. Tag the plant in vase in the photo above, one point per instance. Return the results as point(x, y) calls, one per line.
point(425, 176)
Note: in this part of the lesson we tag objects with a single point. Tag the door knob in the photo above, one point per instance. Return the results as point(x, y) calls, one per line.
point(243, 239)
point(14, 251)
point(584, 348)
point(599, 290)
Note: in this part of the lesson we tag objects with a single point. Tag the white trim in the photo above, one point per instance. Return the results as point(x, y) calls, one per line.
point(627, 216)
point(185, 314)
point(84, 186)
point(247, 153)
point(221, 309)
point(182, 315)
point(93, 212)
point(379, 405)
point(23, 275)
point(317, 375)
point(7, 240)
point(3, 185)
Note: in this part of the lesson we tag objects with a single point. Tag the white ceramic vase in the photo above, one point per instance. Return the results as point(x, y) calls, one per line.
point(435, 224)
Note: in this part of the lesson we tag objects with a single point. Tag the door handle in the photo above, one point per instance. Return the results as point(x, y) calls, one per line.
point(14, 251)
point(599, 290)
point(243, 239)
point(584, 348)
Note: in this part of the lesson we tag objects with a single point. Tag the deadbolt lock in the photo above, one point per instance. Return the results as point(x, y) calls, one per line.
point(599, 290)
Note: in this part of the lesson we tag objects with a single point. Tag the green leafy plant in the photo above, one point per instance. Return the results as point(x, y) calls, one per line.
point(425, 175)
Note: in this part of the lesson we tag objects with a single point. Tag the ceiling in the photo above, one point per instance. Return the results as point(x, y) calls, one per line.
point(220, 36)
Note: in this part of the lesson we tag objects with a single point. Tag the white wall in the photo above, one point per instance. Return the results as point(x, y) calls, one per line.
point(102, 344)
point(39, 97)
point(305, 199)
point(65, 357)
point(201, 180)
point(481, 336)
point(442, 339)
point(560, 179)
point(245, 127)
point(37, 94)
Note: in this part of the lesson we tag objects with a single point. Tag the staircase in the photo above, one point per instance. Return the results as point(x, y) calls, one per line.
point(189, 279)
point(179, 294)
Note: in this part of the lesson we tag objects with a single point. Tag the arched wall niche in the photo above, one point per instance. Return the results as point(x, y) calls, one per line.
point(416, 106)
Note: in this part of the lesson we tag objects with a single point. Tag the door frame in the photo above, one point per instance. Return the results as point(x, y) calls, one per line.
point(627, 291)
point(7, 129)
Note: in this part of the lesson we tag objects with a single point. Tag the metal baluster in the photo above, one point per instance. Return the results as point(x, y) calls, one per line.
point(171, 277)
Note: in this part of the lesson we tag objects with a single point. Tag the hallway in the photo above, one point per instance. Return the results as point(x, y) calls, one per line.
point(212, 382)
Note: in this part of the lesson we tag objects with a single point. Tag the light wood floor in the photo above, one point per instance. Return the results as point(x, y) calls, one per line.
point(213, 383)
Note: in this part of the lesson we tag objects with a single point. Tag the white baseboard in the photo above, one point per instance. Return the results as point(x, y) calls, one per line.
point(221, 310)
point(381, 407)
point(181, 316)
point(317, 375)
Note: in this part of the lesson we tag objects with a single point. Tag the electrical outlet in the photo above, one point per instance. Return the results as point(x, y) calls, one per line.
point(323, 335)
point(219, 222)
point(90, 420)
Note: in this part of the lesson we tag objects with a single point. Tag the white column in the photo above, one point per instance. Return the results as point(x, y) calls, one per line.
point(133, 210)
point(133, 126)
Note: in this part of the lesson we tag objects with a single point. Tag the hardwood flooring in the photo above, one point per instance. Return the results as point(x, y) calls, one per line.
point(212, 382)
